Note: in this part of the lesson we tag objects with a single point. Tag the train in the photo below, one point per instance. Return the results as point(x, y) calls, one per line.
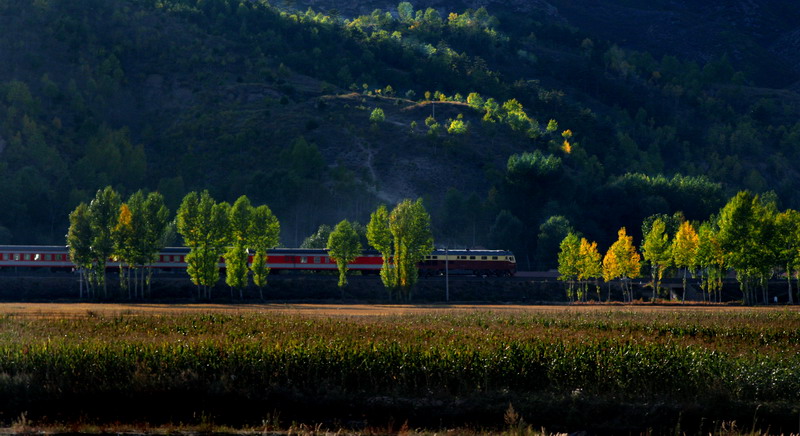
point(500, 263)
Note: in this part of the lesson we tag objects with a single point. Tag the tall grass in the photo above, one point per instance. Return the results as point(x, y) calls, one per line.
point(627, 357)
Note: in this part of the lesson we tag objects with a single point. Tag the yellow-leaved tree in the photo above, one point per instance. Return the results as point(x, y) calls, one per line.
point(684, 251)
point(628, 260)
point(589, 267)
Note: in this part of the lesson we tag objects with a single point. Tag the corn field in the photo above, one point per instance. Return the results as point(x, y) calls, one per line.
point(448, 369)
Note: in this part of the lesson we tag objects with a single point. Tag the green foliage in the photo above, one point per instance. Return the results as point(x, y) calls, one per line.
point(204, 225)
point(103, 214)
point(657, 250)
point(569, 259)
point(319, 239)
point(79, 240)
point(344, 246)
point(377, 116)
point(457, 127)
point(551, 233)
point(240, 218)
point(263, 234)
point(404, 238)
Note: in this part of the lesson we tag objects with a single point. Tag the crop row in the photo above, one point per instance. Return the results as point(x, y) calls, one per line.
point(613, 367)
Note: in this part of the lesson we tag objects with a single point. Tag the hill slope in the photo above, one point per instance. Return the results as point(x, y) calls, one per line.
point(245, 98)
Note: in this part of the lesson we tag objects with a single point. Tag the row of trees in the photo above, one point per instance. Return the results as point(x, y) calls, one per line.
point(132, 232)
point(749, 235)
point(216, 229)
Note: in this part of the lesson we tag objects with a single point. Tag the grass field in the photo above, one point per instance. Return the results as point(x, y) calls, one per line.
point(605, 369)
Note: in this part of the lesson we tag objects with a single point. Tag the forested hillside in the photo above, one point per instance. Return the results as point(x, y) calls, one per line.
point(514, 122)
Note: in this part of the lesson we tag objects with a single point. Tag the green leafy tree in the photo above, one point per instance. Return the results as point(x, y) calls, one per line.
point(318, 239)
point(203, 223)
point(404, 238)
point(124, 236)
point(787, 225)
point(551, 233)
point(79, 243)
point(457, 127)
point(377, 116)
point(568, 262)
point(684, 251)
point(236, 256)
point(405, 11)
point(475, 100)
point(264, 233)
point(410, 225)
point(157, 228)
point(710, 259)
point(746, 233)
point(344, 246)
point(103, 216)
point(657, 251)
point(380, 238)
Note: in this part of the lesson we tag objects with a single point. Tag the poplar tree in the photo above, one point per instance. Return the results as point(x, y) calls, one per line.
point(589, 266)
point(404, 238)
point(684, 251)
point(628, 260)
point(787, 225)
point(203, 223)
point(344, 246)
point(380, 237)
point(568, 261)
point(103, 215)
point(79, 237)
point(710, 259)
point(611, 269)
point(657, 251)
point(236, 256)
point(124, 246)
point(410, 225)
point(157, 223)
point(263, 234)
point(742, 225)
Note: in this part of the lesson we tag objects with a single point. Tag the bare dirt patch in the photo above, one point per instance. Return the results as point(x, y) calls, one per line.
point(77, 310)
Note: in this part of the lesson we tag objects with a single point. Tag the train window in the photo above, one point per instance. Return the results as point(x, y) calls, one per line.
point(494, 257)
point(48, 257)
point(16, 256)
point(316, 259)
point(483, 258)
point(435, 257)
point(511, 258)
point(27, 256)
point(303, 259)
point(472, 257)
